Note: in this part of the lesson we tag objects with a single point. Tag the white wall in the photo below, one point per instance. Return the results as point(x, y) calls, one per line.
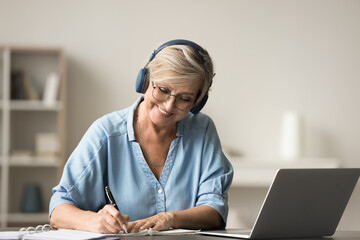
point(270, 56)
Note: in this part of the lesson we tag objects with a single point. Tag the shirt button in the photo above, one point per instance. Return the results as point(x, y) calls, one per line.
point(160, 191)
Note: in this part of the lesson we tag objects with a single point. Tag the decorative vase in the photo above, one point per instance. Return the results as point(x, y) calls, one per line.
point(31, 201)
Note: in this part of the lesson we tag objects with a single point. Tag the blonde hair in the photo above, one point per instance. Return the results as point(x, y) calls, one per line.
point(185, 63)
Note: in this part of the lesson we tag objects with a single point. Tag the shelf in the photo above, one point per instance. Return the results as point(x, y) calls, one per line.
point(33, 161)
point(26, 105)
point(251, 172)
point(28, 217)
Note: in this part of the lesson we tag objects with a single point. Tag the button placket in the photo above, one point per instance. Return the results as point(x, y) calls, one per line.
point(160, 199)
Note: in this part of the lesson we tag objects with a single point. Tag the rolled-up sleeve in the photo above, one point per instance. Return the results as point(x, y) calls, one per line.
point(83, 174)
point(216, 174)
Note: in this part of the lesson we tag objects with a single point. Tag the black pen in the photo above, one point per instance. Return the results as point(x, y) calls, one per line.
point(112, 201)
point(110, 197)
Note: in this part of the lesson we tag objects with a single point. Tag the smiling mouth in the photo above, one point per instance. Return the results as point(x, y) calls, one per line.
point(162, 111)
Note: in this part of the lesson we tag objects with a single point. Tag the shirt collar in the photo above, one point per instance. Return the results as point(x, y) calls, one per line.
point(180, 128)
point(130, 119)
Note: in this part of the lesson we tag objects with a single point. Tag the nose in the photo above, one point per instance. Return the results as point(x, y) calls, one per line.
point(170, 103)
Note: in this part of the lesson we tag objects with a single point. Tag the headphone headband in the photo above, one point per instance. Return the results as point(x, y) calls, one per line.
point(142, 81)
point(177, 42)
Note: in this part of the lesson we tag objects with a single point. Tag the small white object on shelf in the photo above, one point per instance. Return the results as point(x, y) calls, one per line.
point(46, 144)
point(51, 89)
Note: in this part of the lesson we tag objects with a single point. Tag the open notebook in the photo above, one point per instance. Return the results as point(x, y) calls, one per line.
point(67, 234)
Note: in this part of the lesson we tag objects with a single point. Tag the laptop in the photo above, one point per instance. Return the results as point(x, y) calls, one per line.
point(301, 203)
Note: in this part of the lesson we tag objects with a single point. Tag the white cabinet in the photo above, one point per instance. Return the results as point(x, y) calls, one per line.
point(32, 130)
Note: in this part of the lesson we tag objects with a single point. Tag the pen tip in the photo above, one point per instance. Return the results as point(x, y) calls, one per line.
point(124, 228)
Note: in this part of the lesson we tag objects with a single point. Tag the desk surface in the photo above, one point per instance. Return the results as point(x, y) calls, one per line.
point(341, 235)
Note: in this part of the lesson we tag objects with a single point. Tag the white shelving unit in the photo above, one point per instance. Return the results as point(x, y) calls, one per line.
point(21, 119)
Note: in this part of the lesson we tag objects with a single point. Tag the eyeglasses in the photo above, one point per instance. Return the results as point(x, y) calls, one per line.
point(162, 94)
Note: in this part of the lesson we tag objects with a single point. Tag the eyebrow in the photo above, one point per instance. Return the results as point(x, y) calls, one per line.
point(181, 93)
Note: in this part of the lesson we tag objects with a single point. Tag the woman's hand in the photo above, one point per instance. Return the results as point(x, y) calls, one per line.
point(161, 221)
point(110, 220)
point(107, 220)
point(200, 217)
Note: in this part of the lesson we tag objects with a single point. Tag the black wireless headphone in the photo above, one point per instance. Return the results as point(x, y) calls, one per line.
point(142, 81)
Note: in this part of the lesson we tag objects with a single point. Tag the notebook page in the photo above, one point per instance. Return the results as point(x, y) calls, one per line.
point(64, 234)
point(150, 232)
point(9, 235)
point(67, 234)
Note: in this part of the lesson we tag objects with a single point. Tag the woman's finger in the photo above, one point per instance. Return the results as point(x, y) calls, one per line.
point(147, 225)
point(121, 219)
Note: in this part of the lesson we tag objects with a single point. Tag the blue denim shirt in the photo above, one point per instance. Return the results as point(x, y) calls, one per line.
point(196, 170)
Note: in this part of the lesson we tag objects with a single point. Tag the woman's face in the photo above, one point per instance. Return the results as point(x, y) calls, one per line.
point(166, 113)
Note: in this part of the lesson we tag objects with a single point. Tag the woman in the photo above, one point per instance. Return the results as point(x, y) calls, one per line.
point(164, 165)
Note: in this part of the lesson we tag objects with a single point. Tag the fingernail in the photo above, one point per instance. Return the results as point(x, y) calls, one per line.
point(124, 228)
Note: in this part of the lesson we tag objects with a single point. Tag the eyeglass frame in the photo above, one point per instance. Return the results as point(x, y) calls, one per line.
point(169, 95)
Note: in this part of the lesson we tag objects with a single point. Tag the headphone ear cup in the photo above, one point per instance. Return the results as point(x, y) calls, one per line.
point(200, 105)
point(142, 81)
